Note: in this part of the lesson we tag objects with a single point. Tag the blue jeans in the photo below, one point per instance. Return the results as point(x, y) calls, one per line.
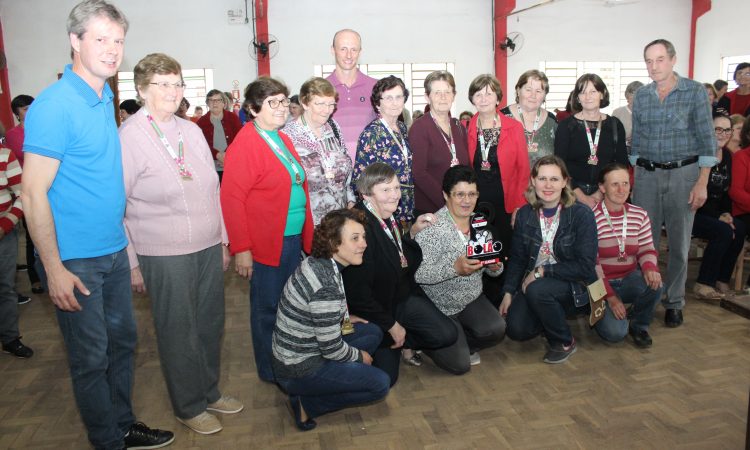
point(543, 307)
point(724, 246)
point(632, 289)
point(101, 339)
point(337, 385)
point(266, 285)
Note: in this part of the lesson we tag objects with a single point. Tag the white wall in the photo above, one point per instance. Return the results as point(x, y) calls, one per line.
point(721, 32)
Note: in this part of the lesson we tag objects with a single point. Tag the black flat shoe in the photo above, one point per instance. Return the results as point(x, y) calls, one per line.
point(673, 318)
point(37, 289)
point(296, 405)
point(641, 338)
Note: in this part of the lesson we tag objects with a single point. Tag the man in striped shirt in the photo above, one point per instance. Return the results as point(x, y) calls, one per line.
point(10, 214)
point(627, 261)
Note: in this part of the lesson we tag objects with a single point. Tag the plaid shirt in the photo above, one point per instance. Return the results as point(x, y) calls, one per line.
point(678, 128)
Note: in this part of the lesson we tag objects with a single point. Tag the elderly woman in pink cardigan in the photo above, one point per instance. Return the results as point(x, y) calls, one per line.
point(175, 230)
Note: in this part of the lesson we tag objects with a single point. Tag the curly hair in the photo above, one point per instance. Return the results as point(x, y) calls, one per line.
point(327, 236)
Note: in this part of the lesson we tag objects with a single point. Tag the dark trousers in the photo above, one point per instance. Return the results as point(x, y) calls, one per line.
point(724, 245)
point(30, 257)
point(426, 329)
point(543, 307)
point(479, 326)
point(8, 297)
point(337, 385)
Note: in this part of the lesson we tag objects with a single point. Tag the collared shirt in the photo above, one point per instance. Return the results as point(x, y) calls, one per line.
point(354, 110)
point(69, 122)
point(675, 129)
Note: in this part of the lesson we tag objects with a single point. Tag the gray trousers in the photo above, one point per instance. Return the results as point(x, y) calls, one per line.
point(8, 296)
point(187, 303)
point(479, 325)
point(664, 195)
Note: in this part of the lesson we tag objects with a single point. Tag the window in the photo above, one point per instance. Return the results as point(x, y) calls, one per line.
point(198, 81)
point(728, 64)
point(413, 75)
point(616, 75)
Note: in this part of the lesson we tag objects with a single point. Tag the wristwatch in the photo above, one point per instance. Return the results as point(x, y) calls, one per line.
point(537, 275)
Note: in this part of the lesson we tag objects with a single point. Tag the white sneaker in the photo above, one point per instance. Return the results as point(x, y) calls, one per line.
point(475, 359)
point(203, 423)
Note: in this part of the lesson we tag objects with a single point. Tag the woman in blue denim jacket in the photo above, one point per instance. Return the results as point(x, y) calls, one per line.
point(553, 256)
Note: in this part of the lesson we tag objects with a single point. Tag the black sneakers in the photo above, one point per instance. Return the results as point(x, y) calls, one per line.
point(641, 338)
point(141, 436)
point(559, 353)
point(17, 349)
point(23, 299)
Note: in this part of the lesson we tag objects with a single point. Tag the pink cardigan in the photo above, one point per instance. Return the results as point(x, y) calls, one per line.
point(166, 215)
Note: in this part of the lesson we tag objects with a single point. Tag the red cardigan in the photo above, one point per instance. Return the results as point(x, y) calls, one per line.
point(739, 190)
point(255, 194)
point(231, 124)
point(513, 159)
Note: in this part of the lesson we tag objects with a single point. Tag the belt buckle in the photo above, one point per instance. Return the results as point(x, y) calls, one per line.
point(671, 165)
point(649, 165)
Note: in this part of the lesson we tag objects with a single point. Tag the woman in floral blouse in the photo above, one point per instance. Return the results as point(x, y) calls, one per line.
point(318, 141)
point(385, 140)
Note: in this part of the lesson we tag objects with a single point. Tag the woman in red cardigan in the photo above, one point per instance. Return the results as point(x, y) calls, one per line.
point(497, 152)
point(266, 208)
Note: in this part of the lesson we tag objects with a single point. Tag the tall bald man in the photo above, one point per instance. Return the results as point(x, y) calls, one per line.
point(353, 111)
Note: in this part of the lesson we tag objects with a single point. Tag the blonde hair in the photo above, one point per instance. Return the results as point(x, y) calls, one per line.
point(567, 197)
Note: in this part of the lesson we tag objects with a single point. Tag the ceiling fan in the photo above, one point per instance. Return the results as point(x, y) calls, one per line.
point(512, 44)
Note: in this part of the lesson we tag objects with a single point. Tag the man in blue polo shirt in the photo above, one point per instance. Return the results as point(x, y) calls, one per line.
point(74, 199)
point(673, 149)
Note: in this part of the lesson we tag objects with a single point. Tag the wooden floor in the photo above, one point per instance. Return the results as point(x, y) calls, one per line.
point(690, 390)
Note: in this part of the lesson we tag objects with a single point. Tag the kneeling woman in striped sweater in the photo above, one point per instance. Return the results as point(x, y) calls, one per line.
point(321, 354)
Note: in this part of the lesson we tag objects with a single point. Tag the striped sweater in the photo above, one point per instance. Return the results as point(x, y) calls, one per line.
point(308, 321)
point(11, 210)
point(639, 244)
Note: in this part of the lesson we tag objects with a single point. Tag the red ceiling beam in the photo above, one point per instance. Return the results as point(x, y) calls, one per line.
point(502, 9)
point(700, 7)
point(261, 27)
point(6, 115)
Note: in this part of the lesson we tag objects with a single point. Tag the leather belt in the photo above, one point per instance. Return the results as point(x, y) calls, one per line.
point(651, 165)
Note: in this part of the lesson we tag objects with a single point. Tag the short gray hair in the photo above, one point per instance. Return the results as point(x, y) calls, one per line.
point(88, 9)
point(375, 173)
point(671, 52)
point(633, 86)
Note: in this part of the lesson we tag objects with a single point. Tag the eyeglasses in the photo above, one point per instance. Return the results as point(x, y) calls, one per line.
point(393, 98)
point(443, 93)
point(720, 130)
point(325, 105)
point(465, 195)
point(743, 74)
point(274, 102)
point(215, 100)
point(164, 85)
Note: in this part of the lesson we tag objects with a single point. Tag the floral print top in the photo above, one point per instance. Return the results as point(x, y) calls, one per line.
point(327, 165)
point(377, 144)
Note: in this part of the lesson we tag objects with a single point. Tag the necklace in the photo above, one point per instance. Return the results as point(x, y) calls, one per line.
point(448, 141)
point(396, 240)
point(346, 323)
point(532, 146)
point(326, 149)
point(621, 256)
point(284, 156)
point(179, 156)
point(485, 149)
point(593, 145)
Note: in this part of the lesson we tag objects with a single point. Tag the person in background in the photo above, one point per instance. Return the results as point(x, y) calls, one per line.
point(539, 124)
point(721, 87)
point(14, 141)
point(452, 281)
point(465, 117)
point(590, 139)
point(175, 233)
point(738, 100)
point(627, 261)
point(320, 145)
point(219, 127)
point(354, 88)
point(128, 108)
point(552, 261)
point(739, 190)
point(417, 114)
point(266, 207)
point(197, 114)
point(438, 142)
point(11, 212)
point(74, 200)
point(322, 355)
point(733, 145)
point(562, 114)
point(183, 109)
point(625, 113)
point(295, 107)
point(714, 222)
point(385, 140)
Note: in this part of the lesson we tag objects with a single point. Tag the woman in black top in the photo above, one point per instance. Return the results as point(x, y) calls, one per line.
point(590, 139)
point(714, 222)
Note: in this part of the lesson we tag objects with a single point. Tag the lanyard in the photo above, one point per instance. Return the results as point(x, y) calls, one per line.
point(282, 155)
point(549, 229)
point(179, 157)
point(400, 142)
point(485, 149)
point(532, 147)
point(448, 141)
point(326, 148)
point(346, 323)
point(620, 241)
point(593, 145)
point(464, 239)
point(396, 240)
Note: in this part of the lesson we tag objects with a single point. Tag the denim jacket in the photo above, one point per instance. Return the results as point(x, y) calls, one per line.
point(575, 247)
